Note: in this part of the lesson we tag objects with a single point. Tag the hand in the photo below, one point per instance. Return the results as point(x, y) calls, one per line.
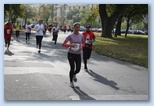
point(81, 47)
point(72, 45)
point(90, 41)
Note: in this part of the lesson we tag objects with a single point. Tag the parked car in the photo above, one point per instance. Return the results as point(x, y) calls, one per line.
point(128, 32)
point(99, 30)
point(146, 32)
point(82, 28)
point(93, 29)
point(123, 30)
point(139, 32)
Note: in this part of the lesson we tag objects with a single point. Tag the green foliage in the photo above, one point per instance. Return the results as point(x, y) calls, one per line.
point(71, 14)
point(14, 10)
point(91, 16)
point(140, 26)
point(137, 12)
point(109, 13)
point(110, 9)
point(29, 11)
point(84, 16)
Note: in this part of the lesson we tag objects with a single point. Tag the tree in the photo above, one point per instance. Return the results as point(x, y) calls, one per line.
point(133, 14)
point(90, 16)
point(72, 13)
point(108, 19)
point(44, 12)
point(13, 11)
point(30, 12)
point(118, 26)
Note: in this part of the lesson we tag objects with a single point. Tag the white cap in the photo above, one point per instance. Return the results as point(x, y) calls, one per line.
point(76, 23)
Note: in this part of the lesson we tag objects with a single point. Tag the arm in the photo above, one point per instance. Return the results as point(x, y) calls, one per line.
point(83, 41)
point(35, 28)
point(42, 27)
point(29, 27)
point(94, 38)
point(5, 31)
point(11, 30)
point(67, 45)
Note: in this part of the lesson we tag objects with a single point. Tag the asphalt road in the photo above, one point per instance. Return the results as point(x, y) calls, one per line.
point(32, 76)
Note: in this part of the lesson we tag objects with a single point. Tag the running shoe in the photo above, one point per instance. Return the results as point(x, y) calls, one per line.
point(86, 70)
point(74, 78)
point(72, 84)
point(39, 51)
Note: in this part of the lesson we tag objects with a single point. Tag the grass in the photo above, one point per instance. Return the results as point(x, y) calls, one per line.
point(133, 48)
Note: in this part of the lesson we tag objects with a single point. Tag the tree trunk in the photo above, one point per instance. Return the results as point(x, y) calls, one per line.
point(107, 28)
point(105, 21)
point(108, 22)
point(127, 26)
point(118, 26)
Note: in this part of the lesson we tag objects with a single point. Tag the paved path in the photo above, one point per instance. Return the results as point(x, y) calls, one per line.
point(32, 76)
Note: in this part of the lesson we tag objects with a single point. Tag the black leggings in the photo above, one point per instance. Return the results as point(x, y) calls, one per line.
point(27, 36)
point(39, 41)
point(74, 61)
point(86, 55)
point(7, 41)
point(17, 33)
point(55, 36)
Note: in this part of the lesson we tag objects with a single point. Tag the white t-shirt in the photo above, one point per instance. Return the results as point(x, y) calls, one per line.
point(28, 28)
point(39, 28)
point(55, 29)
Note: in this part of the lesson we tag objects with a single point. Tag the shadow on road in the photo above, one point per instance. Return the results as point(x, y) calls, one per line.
point(82, 95)
point(9, 53)
point(102, 80)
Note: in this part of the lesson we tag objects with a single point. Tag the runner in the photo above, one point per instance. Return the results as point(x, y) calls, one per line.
point(74, 52)
point(28, 31)
point(17, 29)
point(39, 28)
point(7, 35)
point(89, 37)
point(55, 31)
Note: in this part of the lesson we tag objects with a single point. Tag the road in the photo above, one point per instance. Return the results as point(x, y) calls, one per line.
point(32, 76)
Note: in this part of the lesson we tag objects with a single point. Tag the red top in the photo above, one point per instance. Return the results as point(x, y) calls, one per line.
point(65, 27)
point(91, 35)
point(8, 32)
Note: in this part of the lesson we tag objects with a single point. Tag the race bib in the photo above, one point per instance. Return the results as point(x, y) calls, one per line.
point(8, 31)
point(76, 48)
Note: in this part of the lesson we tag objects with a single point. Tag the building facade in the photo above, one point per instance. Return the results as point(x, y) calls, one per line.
point(61, 11)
